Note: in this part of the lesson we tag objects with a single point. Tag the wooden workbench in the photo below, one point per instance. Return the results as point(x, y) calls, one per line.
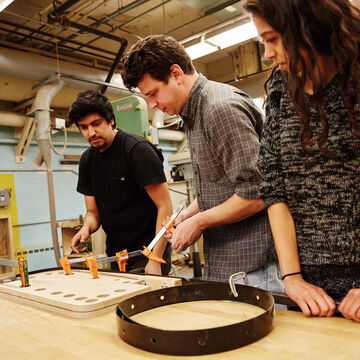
point(28, 333)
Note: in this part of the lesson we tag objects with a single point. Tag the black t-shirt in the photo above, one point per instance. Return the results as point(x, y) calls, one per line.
point(116, 178)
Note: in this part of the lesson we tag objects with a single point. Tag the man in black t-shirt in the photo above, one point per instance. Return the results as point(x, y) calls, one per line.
point(122, 178)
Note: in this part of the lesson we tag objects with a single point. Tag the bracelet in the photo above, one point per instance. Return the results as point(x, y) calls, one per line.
point(294, 273)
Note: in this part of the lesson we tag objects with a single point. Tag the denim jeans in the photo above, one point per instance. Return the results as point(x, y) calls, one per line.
point(267, 277)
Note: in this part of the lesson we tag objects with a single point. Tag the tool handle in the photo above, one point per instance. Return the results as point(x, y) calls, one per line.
point(66, 265)
point(122, 258)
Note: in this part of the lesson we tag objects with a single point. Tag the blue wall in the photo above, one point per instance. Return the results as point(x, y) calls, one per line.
point(32, 195)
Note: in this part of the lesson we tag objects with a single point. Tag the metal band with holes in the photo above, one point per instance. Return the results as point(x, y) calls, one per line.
point(194, 342)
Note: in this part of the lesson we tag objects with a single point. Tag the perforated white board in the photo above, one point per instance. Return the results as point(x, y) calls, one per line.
point(76, 295)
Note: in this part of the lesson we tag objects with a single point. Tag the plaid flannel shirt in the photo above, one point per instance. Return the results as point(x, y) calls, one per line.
point(223, 131)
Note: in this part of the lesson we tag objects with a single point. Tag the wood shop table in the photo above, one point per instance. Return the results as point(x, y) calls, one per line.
point(29, 333)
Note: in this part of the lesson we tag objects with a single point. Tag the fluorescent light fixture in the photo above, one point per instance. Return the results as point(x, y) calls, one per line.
point(4, 4)
point(230, 9)
point(223, 40)
point(234, 36)
point(200, 49)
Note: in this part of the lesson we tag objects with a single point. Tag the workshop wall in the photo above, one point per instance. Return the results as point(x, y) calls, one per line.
point(34, 240)
point(29, 202)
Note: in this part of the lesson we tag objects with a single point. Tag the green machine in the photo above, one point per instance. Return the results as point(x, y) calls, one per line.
point(131, 114)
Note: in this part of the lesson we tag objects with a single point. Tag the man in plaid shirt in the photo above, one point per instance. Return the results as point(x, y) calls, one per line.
point(223, 128)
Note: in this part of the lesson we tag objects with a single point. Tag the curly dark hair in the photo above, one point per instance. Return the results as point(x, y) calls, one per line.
point(154, 55)
point(91, 102)
point(320, 27)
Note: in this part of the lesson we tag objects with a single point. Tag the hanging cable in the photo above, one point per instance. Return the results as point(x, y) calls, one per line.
point(65, 143)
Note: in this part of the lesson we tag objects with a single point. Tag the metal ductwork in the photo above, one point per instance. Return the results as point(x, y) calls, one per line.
point(12, 119)
point(165, 134)
point(158, 119)
point(34, 67)
point(172, 135)
point(41, 110)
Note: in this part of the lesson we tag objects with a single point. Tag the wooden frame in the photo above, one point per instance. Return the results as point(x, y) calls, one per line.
point(6, 245)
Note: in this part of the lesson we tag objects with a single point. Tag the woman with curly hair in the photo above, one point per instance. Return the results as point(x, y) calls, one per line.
point(310, 149)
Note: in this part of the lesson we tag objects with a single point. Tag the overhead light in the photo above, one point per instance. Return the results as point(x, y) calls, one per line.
point(230, 9)
point(234, 36)
point(4, 4)
point(223, 40)
point(201, 49)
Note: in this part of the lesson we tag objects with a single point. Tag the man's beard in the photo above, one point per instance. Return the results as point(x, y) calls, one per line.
point(99, 146)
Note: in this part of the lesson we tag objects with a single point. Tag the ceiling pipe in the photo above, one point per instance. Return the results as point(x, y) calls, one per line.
point(118, 12)
point(63, 49)
point(171, 135)
point(12, 119)
point(80, 8)
point(41, 110)
point(50, 14)
point(94, 31)
point(40, 32)
point(114, 65)
point(80, 11)
point(101, 63)
point(120, 27)
point(206, 13)
point(68, 23)
point(140, 15)
point(35, 67)
point(61, 9)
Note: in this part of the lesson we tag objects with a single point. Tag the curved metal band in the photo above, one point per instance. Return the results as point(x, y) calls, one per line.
point(195, 342)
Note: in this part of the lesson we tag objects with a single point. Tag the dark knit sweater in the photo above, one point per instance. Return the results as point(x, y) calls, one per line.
point(323, 195)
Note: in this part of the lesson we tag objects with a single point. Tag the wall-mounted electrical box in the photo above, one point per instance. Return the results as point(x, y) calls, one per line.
point(4, 197)
point(152, 135)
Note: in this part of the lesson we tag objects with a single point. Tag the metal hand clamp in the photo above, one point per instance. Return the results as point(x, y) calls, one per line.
point(237, 276)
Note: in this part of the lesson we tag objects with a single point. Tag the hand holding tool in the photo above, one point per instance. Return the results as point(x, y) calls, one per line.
point(123, 256)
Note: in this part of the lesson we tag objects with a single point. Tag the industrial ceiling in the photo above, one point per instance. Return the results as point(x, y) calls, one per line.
point(81, 40)
point(92, 34)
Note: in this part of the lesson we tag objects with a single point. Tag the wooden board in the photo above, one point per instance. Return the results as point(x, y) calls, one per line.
point(96, 240)
point(77, 295)
point(68, 230)
point(6, 245)
point(29, 333)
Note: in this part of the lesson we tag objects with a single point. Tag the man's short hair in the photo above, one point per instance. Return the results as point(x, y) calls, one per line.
point(91, 102)
point(154, 55)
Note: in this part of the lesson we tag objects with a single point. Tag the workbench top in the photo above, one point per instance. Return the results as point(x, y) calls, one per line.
point(27, 333)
